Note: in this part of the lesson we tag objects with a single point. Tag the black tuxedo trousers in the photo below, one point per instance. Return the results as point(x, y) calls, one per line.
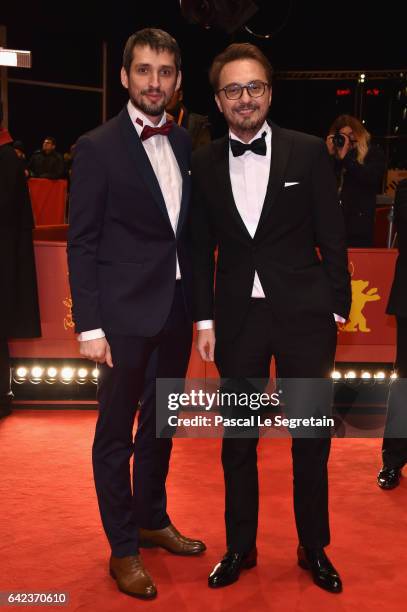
point(137, 362)
point(302, 353)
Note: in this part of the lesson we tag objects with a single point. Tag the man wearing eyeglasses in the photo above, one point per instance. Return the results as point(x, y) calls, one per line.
point(266, 198)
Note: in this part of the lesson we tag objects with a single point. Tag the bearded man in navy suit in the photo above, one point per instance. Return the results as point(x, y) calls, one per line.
point(130, 278)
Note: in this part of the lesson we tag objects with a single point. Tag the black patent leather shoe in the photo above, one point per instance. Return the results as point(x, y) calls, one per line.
point(323, 572)
point(388, 478)
point(228, 570)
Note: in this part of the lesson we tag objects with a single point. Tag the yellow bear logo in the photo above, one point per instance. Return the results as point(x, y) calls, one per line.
point(359, 299)
point(68, 319)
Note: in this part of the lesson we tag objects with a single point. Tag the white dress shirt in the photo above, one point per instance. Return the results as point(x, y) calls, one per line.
point(249, 176)
point(166, 169)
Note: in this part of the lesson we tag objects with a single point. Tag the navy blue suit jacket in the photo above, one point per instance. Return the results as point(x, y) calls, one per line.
point(121, 245)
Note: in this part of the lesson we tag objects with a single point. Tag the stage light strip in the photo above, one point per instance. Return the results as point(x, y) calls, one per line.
point(364, 375)
point(38, 374)
point(50, 375)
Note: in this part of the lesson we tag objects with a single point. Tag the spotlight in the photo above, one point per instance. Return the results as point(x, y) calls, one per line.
point(380, 375)
point(393, 375)
point(336, 375)
point(36, 374)
point(67, 375)
point(366, 375)
point(20, 375)
point(81, 376)
point(95, 376)
point(51, 375)
point(351, 374)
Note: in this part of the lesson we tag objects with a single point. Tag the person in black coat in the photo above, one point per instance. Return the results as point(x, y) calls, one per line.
point(19, 310)
point(265, 197)
point(47, 162)
point(359, 167)
point(394, 449)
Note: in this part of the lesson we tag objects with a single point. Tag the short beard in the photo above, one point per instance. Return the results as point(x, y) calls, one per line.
point(153, 110)
point(248, 124)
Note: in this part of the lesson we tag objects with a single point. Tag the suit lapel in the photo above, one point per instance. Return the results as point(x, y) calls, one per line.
point(184, 168)
point(225, 192)
point(280, 151)
point(142, 163)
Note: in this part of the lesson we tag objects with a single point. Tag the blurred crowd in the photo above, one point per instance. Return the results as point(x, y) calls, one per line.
point(359, 165)
point(46, 162)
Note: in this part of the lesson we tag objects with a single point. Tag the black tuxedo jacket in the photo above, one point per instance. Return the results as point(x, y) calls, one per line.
point(121, 245)
point(398, 295)
point(304, 289)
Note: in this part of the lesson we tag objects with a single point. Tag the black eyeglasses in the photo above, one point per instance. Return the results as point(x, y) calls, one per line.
point(234, 91)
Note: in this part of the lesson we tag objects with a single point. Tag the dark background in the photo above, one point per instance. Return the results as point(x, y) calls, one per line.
point(66, 42)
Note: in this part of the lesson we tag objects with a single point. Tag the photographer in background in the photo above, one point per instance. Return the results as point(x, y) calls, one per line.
point(359, 169)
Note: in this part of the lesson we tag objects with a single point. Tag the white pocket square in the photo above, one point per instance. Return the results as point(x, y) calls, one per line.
point(291, 184)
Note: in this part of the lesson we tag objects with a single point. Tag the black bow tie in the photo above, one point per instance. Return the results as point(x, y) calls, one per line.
point(258, 146)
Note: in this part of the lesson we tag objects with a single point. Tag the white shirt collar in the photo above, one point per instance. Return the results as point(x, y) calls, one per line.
point(264, 128)
point(135, 114)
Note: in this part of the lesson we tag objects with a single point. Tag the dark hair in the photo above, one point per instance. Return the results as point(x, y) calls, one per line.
point(51, 139)
point(155, 39)
point(17, 144)
point(238, 51)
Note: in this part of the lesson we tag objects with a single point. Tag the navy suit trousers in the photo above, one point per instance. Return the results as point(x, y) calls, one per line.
point(127, 503)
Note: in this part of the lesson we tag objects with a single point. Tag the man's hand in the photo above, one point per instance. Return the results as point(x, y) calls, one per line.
point(205, 344)
point(96, 350)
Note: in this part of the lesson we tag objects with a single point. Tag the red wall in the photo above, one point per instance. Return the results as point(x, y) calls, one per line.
point(369, 337)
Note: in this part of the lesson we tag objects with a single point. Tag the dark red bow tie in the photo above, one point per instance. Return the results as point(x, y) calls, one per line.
point(164, 130)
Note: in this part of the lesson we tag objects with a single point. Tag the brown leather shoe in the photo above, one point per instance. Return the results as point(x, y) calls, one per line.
point(171, 540)
point(131, 577)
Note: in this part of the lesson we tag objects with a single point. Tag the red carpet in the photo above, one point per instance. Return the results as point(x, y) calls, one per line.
point(51, 538)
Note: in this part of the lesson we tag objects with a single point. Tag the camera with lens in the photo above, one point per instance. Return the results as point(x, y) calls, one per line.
point(338, 140)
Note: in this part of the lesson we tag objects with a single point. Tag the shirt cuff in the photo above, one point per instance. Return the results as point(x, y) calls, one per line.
point(339, 319)
point(207, 324)
point(92, 334)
